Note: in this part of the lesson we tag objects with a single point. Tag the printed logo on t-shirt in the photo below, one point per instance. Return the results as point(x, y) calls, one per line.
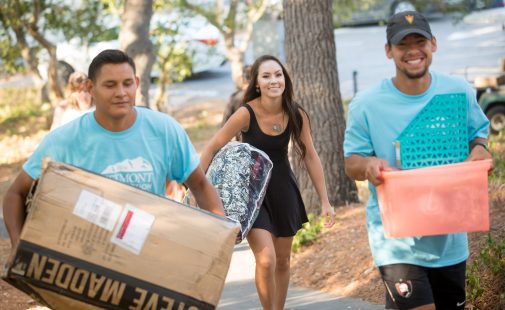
point(136, 172)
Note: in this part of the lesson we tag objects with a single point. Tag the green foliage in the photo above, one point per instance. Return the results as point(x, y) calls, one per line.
point(493, 255)
point(380, 10)
point(488, 267)
point(173, 60)
point(177, 65)
point(473, 284)
point(84, 21)
point(497, 148)
point(10, 54)
point(11, 60)
point(485, 281)
point(105, 35)
point(343, 9)
point(55, 21)
point(308, 233)
point(208, 10)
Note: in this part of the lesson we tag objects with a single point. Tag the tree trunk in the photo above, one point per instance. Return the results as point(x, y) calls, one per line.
point(27, 53)
point(30, 61)
point(163, 81)
point(311, 58)
point(134, 40)
point(236, 58)
point(55, 92)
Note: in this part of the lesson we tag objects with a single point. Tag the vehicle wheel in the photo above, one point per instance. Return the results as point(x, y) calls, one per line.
point(496, 117)
point(402, 6)
point(64, 71)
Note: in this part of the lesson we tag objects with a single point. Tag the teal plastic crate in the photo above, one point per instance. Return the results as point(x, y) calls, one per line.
point(438, 135)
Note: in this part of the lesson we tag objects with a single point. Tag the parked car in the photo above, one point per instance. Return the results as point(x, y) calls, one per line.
point(491, 98)
point(493, 104)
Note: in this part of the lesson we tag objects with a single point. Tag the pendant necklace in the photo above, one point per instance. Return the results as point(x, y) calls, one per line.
point(276, 127)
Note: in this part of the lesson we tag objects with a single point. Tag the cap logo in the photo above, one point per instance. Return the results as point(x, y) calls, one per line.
point(409, 19)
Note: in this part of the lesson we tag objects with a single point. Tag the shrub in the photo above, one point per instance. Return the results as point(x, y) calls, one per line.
point(308, 233)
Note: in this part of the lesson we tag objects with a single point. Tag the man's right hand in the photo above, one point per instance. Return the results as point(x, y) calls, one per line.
point(373, 170)
point(369, 168)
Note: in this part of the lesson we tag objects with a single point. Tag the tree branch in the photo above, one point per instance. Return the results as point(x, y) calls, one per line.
point(230, 21)
point(33, 28)
point(211, 18)
point(252, 16)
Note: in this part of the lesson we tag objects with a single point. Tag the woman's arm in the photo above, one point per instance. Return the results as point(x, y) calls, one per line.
point(239, 121)
point(315, 170)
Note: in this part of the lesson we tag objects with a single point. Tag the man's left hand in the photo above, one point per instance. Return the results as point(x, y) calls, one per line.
point(478, 152)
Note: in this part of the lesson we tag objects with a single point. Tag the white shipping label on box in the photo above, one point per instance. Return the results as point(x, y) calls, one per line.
point(97, 210)
point(133, 228)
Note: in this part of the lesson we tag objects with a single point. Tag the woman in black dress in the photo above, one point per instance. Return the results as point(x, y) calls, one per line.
point(268, 120)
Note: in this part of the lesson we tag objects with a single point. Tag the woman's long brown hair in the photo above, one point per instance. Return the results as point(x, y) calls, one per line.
point(290, 107)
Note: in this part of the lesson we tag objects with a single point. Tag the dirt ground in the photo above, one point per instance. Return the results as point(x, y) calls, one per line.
point(339, 261)
point(10, 297)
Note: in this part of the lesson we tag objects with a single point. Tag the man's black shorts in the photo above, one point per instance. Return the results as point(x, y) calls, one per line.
point(410, 286)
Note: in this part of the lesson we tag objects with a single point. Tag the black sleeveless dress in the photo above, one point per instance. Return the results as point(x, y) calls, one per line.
point(282, 212)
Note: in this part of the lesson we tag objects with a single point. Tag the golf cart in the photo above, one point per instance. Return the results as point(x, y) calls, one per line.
point(491, 98)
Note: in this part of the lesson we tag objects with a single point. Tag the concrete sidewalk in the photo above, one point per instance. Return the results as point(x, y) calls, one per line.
point(240, 291)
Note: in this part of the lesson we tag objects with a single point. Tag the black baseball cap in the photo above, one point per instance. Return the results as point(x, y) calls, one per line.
point(405, 23)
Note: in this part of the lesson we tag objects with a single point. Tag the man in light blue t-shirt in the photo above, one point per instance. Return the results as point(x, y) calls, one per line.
point(418, 272)
point(132, 145)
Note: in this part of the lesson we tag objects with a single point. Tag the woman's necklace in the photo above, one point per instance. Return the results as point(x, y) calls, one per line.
point(276, 127)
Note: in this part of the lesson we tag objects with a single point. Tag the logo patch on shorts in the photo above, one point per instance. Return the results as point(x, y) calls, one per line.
point(404, 288)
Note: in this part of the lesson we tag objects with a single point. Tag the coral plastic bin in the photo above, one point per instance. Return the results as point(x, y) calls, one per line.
point(435, 200)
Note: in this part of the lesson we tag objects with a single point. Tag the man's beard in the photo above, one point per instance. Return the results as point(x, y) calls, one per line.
point(415, 75)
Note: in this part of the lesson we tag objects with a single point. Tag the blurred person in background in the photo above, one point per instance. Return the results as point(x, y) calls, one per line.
point(237, 98)
point(77, 102)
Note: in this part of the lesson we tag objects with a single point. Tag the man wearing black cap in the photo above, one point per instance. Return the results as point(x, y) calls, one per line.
point(423, 272)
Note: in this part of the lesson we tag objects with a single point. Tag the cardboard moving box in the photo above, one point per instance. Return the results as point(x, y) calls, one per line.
point(91, 242)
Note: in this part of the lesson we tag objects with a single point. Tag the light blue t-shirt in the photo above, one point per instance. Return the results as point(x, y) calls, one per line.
point(376, 118)
point(155, 148)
